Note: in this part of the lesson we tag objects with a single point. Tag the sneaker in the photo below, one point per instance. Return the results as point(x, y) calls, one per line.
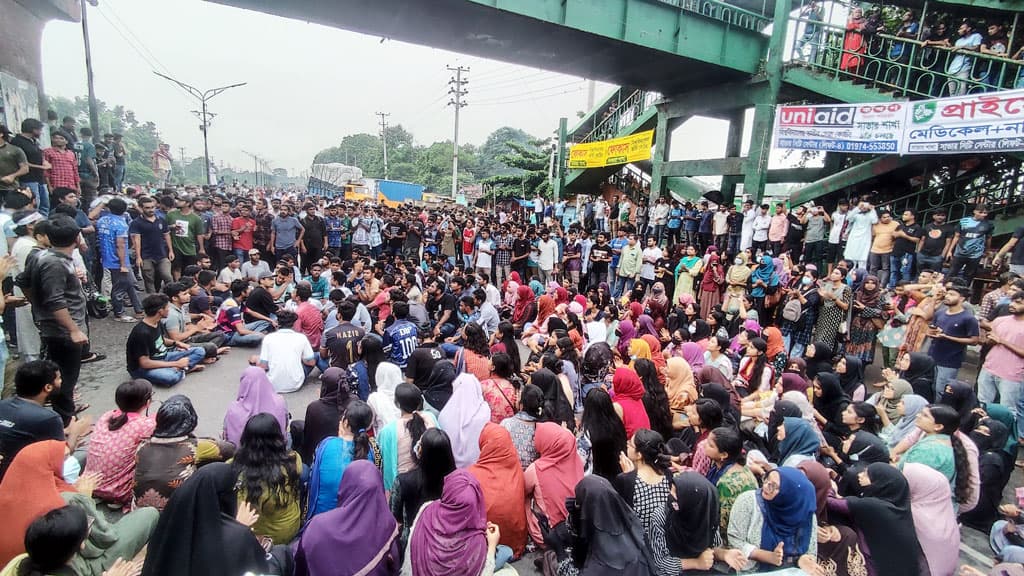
point(126, 319)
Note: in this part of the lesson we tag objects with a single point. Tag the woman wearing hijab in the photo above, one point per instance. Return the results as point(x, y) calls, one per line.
point(645, 325)
point(607, 538)
point(679, 385)
point(918, 368)
point(851, 377)
point(867, 319)
point(881, 513)
point(336, 453)
point(629, 393)
point(463, 418)
point(819, 359)
point(901, 428)
point(726, 399)
point(994, 468)
point(501, 480)
point(692, 520)
point(960, 396)
point(33, 486)
point(736, 282)
point(798, 442)
point(776, 352)
point(173, 453)
point(711, 285)
point(656, 356)
point(553, 476)
point(525, 309)
point(439, 387)
point(838, 549)
point(545, 310)
point(686, 272)
point(776, 525)
point(836, 300)
point(889, 398)
point(198, 535)
point(382, 401)
point(323, 415)
point(934, 520)
point(256, 395)
point(358, 537)
point(658, 305)
point(764, 282)
point(829, 403)
point(451, 535)
point(626, 333)
point(693, 355)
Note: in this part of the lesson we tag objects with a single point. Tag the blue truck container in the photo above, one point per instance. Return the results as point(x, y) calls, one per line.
point(396, 191)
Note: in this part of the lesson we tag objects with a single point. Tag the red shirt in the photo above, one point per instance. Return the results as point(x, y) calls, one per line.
point(244, 241)
point(468, 235)
point(64, 171)
point(310, 322)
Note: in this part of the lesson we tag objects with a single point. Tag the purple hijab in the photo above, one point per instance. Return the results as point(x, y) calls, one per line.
point(645, 325)
point(256, 395)
point(693, 355)
point(626, 333)
point(450, 533)
point(355, 537)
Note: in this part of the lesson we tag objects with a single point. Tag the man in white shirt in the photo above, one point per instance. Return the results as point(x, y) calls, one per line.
point(762, 222)
point(651, 255)
point(231, 271)
point(286, 355)
point(538, 210)
point(252, 269)
point(720, 228)
point(484, 252)
point(601, 214)
point(660, 215)
point(547, 256)
point(747, 229)
point(493, 295)
point(488, 318)
point(837, 233)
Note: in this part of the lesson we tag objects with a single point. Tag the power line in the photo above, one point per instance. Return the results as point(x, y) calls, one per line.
point(528, 99)
point(515, 80)
point(518, 94)
point(457, 91)
point(384, 138)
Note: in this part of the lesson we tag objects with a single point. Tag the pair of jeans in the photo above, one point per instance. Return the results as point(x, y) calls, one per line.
point(1001, 544)
point(42, 196)
point(900, 268)
point(623, 285)
point(259, 327)
point(167, 377)
point(943, 375)
point(156, 273)
point(925, 262)
point(123, 284)
point(879, 265)
point(68, 357)
point(989, 385)
point(963, 267)
point(118, 177)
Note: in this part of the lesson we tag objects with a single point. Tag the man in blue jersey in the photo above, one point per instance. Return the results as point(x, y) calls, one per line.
point(400, 338)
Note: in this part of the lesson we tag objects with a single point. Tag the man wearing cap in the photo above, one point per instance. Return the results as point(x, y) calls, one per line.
point(13, 163)
point(254, 268)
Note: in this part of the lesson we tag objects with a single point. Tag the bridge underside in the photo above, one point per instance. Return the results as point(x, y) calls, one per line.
point(472, 28)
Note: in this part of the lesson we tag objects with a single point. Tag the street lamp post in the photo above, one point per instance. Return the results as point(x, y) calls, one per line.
point(203, 98)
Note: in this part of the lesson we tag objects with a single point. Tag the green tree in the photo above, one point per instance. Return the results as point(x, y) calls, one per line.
point(531, 160)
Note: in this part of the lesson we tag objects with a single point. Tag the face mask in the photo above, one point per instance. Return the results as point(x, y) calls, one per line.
point(805, 281)
point(738, 261)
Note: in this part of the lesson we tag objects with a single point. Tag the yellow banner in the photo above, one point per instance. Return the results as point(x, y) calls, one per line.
point(611, 152)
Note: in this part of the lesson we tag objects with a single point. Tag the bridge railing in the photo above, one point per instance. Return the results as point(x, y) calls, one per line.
point(904, 66)
point(630, 107)
point(732, 15)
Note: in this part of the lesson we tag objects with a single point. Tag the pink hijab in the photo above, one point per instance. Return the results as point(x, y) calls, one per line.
point(256, 395)
point(931, 503)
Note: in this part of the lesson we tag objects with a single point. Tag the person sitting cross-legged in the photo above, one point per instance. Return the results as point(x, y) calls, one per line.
point(147, 348)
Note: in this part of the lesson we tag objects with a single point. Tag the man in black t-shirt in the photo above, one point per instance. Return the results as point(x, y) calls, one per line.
point(520, 255)
point(441, 307)
point(147, 347)
point(24, 419)
point(396, 233)
point(260, 304)
point(600, 258)
point(935, 242)
point(421, 363)
point(340, 343)
point(314, 240)
point(413, 238)
point(1016, 249)
point(796, 226)
point(906, 239)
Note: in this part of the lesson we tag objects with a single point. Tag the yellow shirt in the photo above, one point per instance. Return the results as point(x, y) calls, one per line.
point(883, 240)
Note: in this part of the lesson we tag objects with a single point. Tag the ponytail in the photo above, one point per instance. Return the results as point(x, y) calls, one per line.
point(416, 427)
point(963, 473)
point(651, 447)
point(130, 396)
point(358, 418)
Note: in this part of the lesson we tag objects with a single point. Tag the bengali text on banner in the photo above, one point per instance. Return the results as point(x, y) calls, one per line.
point(623, 150)
point(871, 128)
point(989, 122)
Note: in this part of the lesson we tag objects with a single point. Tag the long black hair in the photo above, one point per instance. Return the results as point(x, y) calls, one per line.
point(263, 464)
point(566, 350)
point(507, 336)
point(503, 368)
point(131, 396)
point(359, 419)
point(949, 419)
point(435, 461)
point(607, 434)
point(556, 406)
point(872, 421)
point(651, 447)
point(655, 398)
point(531, 401)
point(372, 352)
point(409, 400)
point(53, 539)
point(476, 340)
point(729, 442)
point(760, 364)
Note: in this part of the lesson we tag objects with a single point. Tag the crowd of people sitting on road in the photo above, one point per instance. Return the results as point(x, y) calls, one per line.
point(646, 390)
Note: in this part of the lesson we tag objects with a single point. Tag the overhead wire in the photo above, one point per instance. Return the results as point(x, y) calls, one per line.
point(518, 94)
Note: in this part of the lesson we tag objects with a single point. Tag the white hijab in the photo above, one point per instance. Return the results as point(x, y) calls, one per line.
point(382, 401)
point(463, 417)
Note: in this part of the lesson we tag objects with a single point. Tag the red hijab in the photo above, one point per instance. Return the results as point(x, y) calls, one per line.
point(656, 356)
point(776, 346)
point(561, 296)
point(629, 393)
point(525, 298)
point(500, 475)
point(545, 308)
point(31, 488)
point(635, 310)
point(558, 468)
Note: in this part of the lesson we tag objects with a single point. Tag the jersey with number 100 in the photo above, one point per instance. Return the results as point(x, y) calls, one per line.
point(400, 339)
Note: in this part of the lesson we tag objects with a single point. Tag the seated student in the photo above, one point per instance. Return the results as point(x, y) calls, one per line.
point(286, 355)
point(230, 272)
point(317, 281)
point(281, 290)
point(230, 319)
point(114, 440)
point(51, 541)
point(268, 479)
point(25, 417)
point(172, 453)
point(335, 453)
point(252, 269)
point(146, 349)
point(183, 326)
point(201, 301)
point(259, 304)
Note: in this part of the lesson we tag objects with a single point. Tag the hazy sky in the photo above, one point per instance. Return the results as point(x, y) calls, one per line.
point(308, 85)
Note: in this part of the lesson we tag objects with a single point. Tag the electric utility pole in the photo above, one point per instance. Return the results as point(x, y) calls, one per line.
point(457, 92)
point(255, 167)
point(204, 115)
point(94, 116)
point(181, 149)
point(384, 139)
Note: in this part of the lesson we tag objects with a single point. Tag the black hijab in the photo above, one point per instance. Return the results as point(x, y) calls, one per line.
point(197, 534)
point(833, 399)
point(692, 519)
point(610, 538)
point(994, 469)
point(438, 388)
point(324, 414)
point(960, 397)
point(556, 406)
point(854, 375)
point(865, 450)
point(176, 417)
point(921, 374)
point(718, 393)
point(822, 361)
point(882, 514)
point(782, 409)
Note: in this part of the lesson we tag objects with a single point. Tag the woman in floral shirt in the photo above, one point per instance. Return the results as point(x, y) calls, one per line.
point(115, 439)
